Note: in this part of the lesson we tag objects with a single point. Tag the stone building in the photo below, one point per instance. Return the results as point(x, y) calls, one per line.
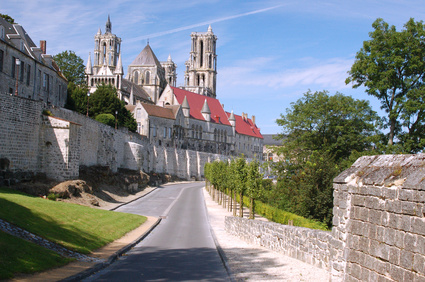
point(189, 117)
point(26, 70)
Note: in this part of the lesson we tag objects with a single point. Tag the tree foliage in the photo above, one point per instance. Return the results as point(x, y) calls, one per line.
point(72, 66)
point(320, 132)
point(103, 101)
point(391, 65)
point(8, 18)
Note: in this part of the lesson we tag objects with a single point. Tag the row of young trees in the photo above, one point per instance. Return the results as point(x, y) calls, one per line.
point(236, 178)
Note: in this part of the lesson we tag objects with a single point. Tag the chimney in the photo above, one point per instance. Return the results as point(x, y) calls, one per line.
point(253, 119)
point(43, 46)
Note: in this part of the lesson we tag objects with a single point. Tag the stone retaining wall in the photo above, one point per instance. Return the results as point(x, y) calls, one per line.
point(378, 229)
point(308, 245)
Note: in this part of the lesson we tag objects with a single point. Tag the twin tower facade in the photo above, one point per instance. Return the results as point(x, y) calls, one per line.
point(147, 77)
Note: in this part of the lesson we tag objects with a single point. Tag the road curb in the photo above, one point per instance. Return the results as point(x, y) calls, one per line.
point(97, 267)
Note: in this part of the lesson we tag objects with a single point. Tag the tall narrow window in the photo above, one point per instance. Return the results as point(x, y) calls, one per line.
point(21, 72)
point(138, 114)
point(28, 74)
point(13, 71)
point(201, 54)
point(148, 77)
point(1, 60)
point(136, 77)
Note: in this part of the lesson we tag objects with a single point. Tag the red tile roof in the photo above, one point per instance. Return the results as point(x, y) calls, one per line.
point(196, 102)
point(246, 127)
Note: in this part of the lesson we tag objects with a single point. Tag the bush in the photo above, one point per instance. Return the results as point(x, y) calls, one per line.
point(107, 119)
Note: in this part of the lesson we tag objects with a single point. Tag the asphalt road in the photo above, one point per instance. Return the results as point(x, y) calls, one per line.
point(180, 248)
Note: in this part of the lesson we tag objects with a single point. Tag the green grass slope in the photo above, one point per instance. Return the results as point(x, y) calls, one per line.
point(75, 227)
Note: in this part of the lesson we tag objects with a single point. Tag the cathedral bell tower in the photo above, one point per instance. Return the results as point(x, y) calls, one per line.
point(201, 68)
point(107, 67)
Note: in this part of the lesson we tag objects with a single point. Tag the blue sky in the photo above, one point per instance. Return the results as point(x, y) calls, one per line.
point(269, 52)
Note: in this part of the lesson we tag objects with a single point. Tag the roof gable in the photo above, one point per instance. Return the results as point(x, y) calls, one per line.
point(146, 57)
point(157, 111)
point(246, 127)
point(196, 103)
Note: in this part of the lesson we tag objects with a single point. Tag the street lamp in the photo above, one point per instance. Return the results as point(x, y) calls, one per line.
point(18, 63)
point(88, 96)
point(116, 119)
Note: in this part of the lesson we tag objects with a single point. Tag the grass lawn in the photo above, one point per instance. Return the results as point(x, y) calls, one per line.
point(75, 227)
point(20, 256)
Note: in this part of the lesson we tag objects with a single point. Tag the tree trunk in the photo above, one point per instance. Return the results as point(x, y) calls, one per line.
point(241, 205)
point(392, 130)
point(230, 201)
point(251, 208)
point(234, 204)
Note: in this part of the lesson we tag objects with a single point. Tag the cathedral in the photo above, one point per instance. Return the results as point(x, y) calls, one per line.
point(186, 117)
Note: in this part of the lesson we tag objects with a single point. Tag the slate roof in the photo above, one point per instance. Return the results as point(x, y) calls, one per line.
point(138, 91)
point(146, 57)
point(196, 103)
point(269, 140)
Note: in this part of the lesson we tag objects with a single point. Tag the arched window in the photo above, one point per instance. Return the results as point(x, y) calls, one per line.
point(201, 45)
point(136, 77)
point(147, 77)
point(200, 132)
point(104, 50)
point(193, 130)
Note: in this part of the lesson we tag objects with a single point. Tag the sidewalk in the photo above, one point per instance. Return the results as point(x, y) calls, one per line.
point(254, 263)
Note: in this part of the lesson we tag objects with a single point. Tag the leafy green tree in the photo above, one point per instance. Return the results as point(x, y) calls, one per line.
point(337, 124)
point(240, 181)
point(253, 185)
point(391, 65)
point(320, 133)
point(105, 101)
point(8, 18)
point(77, 98)
point(72, 66)
point(231, 184)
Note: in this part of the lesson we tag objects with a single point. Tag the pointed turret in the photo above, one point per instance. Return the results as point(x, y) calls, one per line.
point(119, 69)
point(108, 25)
point(210, 29)
point(99, 32)
point(232, 119)
point(206, 112)
point(169, 58)
point(185, 107)
point(131, 96)
point(89, 68)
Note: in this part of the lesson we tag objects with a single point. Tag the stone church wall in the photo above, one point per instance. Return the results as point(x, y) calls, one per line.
point(378, 229)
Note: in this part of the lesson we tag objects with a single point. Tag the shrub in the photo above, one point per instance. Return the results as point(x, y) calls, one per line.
point(107, 119)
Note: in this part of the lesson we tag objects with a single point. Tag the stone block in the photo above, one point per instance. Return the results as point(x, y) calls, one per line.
point(396, 272)
point(418, 225)
point(419, 264)
point(406, 259)
point(389, 237)
point(375, 216)
point(408, 208)
point(410, 242)
point(394, 256)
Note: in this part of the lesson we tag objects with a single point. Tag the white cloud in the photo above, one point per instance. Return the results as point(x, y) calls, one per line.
point(328, 74)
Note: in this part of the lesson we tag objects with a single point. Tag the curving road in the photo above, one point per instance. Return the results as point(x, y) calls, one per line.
point(180, 248)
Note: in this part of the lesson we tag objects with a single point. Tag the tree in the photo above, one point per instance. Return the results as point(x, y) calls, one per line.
point(72, 66)
point(103, 101)
point(391, 65)
point(8, 18)
point(253, 185)
point(240, 181)
point(318, 122)
point(107, 119)
point(320, 132)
